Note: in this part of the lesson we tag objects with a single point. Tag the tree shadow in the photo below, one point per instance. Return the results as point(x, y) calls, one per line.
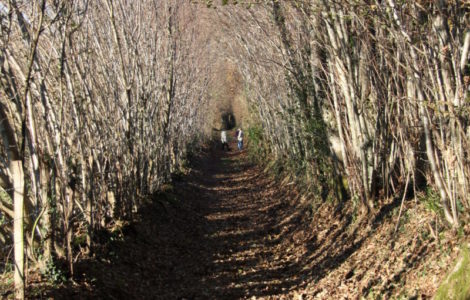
point(225, 235)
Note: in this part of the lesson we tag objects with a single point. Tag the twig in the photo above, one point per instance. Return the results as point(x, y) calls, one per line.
point(402, 201)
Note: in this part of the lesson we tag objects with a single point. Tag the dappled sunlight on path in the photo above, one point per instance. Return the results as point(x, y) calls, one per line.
point(227, 230)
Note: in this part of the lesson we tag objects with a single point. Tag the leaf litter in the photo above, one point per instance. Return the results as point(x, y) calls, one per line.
point(236, 233)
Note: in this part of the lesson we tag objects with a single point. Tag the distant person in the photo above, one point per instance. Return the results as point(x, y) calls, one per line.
point(223, 139)
point(240, 138)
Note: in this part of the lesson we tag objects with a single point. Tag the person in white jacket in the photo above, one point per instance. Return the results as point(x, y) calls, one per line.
point(223, 139)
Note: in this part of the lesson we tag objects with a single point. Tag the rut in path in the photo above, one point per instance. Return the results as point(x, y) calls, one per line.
point(219, 236)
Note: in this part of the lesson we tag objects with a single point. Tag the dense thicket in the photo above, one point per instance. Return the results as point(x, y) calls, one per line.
point(375, 91)
point(100, 99)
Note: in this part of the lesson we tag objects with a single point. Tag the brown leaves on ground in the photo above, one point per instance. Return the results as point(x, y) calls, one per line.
point(231, 232)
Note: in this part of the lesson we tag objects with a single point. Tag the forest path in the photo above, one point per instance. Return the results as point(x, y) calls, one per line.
point(219, 234)
point(227, 230)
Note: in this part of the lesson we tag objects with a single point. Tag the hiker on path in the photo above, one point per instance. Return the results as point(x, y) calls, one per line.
point(223, 139)
point(240, 138)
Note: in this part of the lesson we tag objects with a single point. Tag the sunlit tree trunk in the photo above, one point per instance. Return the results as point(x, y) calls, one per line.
point(16, 169)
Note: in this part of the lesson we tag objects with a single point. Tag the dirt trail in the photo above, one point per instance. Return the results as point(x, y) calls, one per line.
point(228, 231)
point(218, 235)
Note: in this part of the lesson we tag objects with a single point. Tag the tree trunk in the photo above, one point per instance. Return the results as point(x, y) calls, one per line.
point(47, 218)
point(16, 169)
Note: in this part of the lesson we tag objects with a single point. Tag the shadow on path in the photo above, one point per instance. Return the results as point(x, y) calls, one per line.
point(228, 231)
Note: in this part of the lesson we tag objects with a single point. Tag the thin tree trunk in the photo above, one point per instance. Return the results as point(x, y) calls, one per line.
point(47, 219)
point(16, 169)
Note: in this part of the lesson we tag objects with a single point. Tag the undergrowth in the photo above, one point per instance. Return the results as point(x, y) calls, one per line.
point(258, 149)
point(457, 286)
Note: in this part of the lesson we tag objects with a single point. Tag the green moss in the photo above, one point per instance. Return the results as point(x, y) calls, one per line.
point(79, 240)
point(4, 197)
point(457, 286)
